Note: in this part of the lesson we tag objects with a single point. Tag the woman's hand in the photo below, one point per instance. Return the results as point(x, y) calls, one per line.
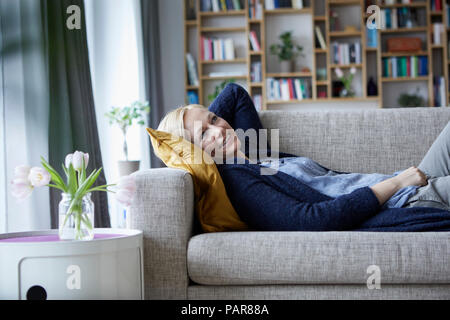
point(387, 188)
point(412, 176)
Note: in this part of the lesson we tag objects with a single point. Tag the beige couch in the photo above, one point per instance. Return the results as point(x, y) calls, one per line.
point(180, 264)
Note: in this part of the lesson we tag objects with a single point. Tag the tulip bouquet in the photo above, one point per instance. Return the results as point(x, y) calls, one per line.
point(75, 209)
point(347, 81)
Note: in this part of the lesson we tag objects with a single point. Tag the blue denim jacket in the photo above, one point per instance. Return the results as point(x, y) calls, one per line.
point(335, 184)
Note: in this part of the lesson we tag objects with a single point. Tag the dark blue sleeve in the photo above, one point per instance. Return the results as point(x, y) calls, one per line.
point(266, 207)
point(235, 105)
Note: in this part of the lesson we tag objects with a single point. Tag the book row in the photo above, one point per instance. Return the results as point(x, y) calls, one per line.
point(439, 91)
point(256, 72)
point(413, 66)
point(346, 53)
point(287, 89)
point(255, 9)
point(220, 5)
point(216, 49)
point(399, 17)
point(275, 4)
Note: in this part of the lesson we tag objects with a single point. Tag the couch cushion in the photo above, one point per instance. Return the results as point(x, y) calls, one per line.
point(245, 258)
point(366, 141)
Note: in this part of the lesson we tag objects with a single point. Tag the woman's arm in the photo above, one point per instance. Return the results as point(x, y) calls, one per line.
point(236, 106)
point(265, 206)
point(387, 188)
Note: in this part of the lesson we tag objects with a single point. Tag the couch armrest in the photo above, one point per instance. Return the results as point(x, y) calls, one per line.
point(163, 209)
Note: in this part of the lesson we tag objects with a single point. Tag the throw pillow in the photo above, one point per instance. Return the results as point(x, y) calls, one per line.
point(214, 209)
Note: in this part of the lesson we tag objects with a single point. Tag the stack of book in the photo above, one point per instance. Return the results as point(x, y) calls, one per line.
point(275, 4)
point(256, 72)
point(217, 49)
point(192, 70)
point(399, 17)
point(412, 66)
point(438, 33)
point(255, 9)
point(372, 38)
point(439, 91)
point(257, 101)
point(447, 20)
point(346, 53)
point(436, 5)
point(192, 97)
point(220, 5)
point(254, 41)
point(287, 89)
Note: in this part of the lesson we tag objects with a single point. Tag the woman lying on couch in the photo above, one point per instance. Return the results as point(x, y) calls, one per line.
point(305, 196)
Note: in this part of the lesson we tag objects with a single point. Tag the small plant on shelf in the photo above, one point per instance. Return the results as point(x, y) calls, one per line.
point(411, 100)
point(287, 51)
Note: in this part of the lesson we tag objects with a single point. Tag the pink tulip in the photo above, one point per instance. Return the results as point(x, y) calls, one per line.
point(21, 188)
point(39, 177)
point(126, 187)
point(22, 172)
point(339, 72)
point(124, 196)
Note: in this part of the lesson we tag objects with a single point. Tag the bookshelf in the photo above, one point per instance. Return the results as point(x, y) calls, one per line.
point(239, 23)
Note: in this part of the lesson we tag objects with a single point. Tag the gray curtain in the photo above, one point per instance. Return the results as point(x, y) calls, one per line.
point(73, 123)
point(152, 68)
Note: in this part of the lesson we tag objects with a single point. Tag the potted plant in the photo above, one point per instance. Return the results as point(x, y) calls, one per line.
point(347, 81)
point(287, 51)
point(218, 89)
point(411, 100)
point(124, 117)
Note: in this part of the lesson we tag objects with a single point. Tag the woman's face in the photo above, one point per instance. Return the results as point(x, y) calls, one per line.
point(213, 134)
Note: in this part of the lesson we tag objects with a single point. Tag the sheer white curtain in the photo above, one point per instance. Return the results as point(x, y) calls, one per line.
point(115, 54)
point(24, 113)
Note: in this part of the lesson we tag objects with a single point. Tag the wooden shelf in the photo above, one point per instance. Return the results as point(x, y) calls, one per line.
point(400, 79)
point(320, 18)
point(370, 49)
point(256, 84)
point(316, 50)
point(344, 2)
point(231, 29)
point(223, 77)
point(222, 13)
point(322, 82)
point(255, 53)
point(288, 11)
point(188, 87)
point(404, 54)
point(289, 75)
point(437, 46)
point(272, 102)
point(192, 23)
point(240, 60)
point(255, 20)
point(345, 33)
point(400, 5)
point(399, 30)
point(436, 13)
point(344, 66)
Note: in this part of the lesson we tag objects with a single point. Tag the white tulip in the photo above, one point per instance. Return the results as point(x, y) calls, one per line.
point(22, 172)
point(339, 72)
point(77, 160)
point(39, 177)
point(68, 160)
point(86, 159)
point(353, 70)
point(21, 188)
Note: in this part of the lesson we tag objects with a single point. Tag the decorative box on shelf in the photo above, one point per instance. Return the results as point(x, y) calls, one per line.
point(38, 266)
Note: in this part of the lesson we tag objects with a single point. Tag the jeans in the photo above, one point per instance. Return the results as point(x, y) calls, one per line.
point(436, 165)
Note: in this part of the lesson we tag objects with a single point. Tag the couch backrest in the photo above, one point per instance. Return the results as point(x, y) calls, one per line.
point(375, 140)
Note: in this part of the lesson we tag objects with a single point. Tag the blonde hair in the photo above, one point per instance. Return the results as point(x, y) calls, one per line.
point(173, 122)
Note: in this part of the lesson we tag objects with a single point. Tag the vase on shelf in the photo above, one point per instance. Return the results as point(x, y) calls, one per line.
point(76, 218)
point(347, 93)
point(286, 66)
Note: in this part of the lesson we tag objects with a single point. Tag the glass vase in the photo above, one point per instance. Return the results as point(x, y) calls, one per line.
point(76, 218)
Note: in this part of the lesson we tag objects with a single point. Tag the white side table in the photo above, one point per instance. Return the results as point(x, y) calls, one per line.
point(37, 265)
